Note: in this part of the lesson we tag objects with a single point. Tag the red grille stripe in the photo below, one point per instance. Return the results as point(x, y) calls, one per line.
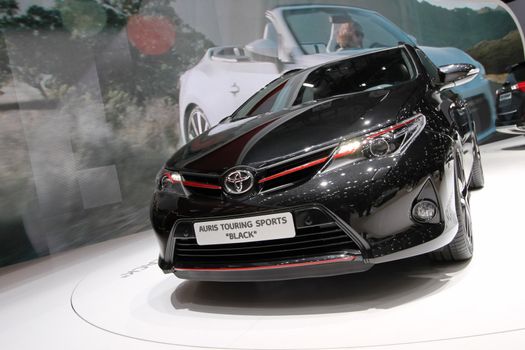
point(270, 267)
point(201, 185)
point(293, 170)
point(193, 183)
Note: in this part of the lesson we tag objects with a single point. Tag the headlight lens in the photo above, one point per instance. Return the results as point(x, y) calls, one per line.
point(169, 181)
point(388, 141)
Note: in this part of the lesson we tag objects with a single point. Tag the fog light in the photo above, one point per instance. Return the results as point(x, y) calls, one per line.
point(424, 211)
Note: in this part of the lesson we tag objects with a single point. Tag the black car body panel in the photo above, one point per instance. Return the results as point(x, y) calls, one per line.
point(351, 207)
point(510, 104)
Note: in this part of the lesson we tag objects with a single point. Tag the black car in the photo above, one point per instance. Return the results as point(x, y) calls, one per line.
point(326, 171)
point(510, 104)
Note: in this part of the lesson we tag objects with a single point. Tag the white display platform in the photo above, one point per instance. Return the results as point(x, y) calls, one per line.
point(112, 295)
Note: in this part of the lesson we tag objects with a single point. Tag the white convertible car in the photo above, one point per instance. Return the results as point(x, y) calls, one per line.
point(298, 37)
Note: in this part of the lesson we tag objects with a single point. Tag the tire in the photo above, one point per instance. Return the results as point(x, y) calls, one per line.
point(477, 179)
point(462, 246)
point(196, 123)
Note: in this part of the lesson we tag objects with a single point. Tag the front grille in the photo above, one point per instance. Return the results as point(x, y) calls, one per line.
point(293, 172)
point(192, 180)
point(270, 177)
point(310, 242)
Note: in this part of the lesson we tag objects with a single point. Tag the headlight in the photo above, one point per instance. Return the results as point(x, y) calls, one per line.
point(169, 181)
point(387, 141)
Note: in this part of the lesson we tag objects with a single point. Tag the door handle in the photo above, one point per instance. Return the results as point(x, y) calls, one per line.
point(234, 89)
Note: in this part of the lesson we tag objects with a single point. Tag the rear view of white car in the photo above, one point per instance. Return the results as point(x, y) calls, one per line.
point(297, 37)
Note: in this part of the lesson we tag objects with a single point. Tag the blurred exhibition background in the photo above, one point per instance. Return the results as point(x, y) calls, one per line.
point(89, 93)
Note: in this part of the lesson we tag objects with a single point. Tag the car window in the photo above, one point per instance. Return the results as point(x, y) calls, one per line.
point(377, 33)
point(309, 26)
point(380, 70)
point(313, 28)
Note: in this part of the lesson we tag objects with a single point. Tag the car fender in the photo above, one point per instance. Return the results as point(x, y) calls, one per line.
point(193, 85)
point(200, 86)
point(479, 86)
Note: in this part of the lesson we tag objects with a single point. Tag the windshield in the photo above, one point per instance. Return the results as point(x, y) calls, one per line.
point(331, 29)
point(374, 71)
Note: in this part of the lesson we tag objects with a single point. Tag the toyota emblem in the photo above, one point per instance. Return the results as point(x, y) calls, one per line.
point(238, 181)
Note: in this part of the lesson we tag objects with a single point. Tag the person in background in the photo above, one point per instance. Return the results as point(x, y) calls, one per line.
point(350, 36)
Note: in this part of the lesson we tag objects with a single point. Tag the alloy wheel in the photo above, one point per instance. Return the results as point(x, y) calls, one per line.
point(197, 123)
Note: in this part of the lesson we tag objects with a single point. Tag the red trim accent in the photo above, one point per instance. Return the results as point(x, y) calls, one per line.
point(295, 169)
point(270, 267)
point(265, 98)
point(392, 128)
point(201, 185)
point(341, 155)
point(170, 179)
point(519, 86)
point(192, 183)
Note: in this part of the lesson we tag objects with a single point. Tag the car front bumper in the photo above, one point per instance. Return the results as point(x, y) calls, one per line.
point(511, 122)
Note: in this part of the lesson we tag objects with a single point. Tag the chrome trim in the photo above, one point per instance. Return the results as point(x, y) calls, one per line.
point(511, 112)
point(427, 247)
point(235, 179)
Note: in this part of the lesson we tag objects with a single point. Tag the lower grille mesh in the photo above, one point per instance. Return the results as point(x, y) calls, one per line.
point(313, 241)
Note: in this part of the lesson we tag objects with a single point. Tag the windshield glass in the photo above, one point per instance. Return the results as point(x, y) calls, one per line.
point(374, 71)
point(331, 29)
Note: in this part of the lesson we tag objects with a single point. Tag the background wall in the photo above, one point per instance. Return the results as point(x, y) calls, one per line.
point(433, 23)
point(89, 92)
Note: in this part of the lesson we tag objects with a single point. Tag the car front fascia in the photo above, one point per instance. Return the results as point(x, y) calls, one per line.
point(176, 209)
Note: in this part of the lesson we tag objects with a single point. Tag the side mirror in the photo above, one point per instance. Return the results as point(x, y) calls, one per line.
point(263, 47)
point(453, 75)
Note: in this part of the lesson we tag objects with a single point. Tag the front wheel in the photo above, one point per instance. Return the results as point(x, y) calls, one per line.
point(196, 123)
point(462, 246)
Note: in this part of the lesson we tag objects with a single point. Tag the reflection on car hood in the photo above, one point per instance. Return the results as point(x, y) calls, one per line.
point(439, 55)
point(319, 58)
point(261, 139)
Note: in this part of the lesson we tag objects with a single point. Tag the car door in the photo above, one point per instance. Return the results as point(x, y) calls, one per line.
point(258, 65)
point(243, 79)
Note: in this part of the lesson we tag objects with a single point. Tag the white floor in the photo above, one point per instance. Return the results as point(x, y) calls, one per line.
point(112, 295)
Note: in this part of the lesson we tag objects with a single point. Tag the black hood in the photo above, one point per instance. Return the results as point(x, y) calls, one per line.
point(258, 140)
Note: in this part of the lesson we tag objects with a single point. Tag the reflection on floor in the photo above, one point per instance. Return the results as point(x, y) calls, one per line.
point(112, 295)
